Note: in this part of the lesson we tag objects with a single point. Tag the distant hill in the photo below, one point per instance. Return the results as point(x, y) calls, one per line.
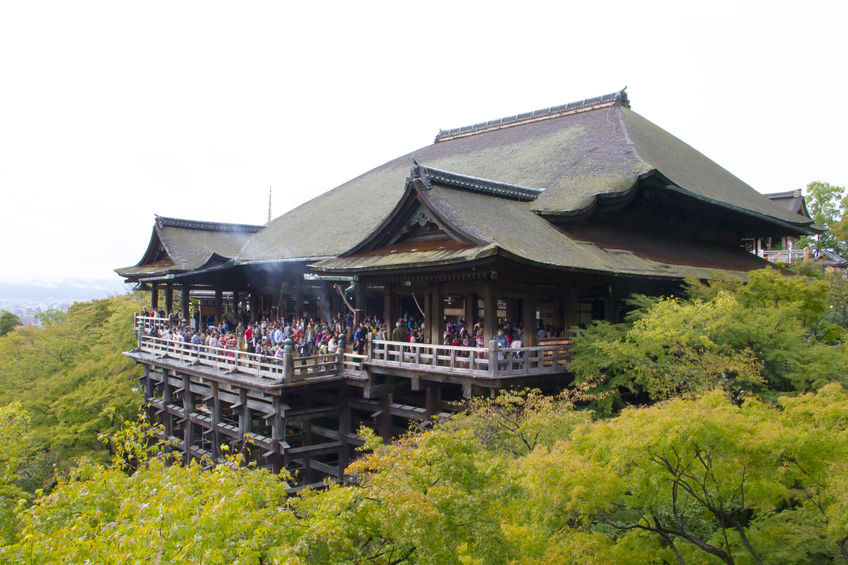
point(64, 289)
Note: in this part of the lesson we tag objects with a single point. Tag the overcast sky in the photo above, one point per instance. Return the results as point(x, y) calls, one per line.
point(111, 112)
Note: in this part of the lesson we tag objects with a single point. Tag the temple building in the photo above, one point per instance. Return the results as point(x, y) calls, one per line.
point(548, 219)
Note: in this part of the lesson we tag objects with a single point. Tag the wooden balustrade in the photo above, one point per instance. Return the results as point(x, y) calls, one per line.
point(485, 363)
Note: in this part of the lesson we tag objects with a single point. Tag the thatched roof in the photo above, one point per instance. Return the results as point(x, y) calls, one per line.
point(573, 153)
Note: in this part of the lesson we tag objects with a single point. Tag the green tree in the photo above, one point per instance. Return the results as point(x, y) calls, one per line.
point(827, 204)
point(772, 334)
point(8, 322)
point(74, 382)
point(698, 481)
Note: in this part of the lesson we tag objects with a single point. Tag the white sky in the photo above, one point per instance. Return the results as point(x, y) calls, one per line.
point(113, 111)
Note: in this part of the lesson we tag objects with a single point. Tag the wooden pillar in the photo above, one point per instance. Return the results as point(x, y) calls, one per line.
point(298, 297)
point(219, 304)
point(609, 306)
point(360, 301)
point(278, 435)
point(236, 303)
point(570, 310)
point(216, 419)
point(433, 399)
point(437, 309)
point(243, 415)
point(385, 426)
point(529, 315)
point(187, 410)
point(167, 398)
point(470, 311)
point(490, 311)
point(184, 298)
point(169, 298)
point(344, 430)
point(389, 308)
point(154, 296)
point(428, 318)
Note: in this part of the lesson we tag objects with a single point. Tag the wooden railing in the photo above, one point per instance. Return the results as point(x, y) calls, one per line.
point(491, 362)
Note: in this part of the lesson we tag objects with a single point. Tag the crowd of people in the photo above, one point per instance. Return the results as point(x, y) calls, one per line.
point(309, 336)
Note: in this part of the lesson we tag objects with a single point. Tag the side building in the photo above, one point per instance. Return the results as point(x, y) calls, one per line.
point(547, 219)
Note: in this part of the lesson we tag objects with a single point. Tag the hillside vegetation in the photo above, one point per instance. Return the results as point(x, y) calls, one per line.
point(707, 429)
point(72, 381)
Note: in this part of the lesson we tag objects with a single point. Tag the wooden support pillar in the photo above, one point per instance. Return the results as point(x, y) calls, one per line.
point(436, 313)
point(490, 311)
point(219, 304)
point(184, 301)
point(169, 298)
point(167, 397)
point(428, 318)
point(148, 392)
point(390, 314)
point(609, 306)
point(385, 426)
point(360, 301)
point(236, 303)
point(278, 435)
point(299, 297)
point(243, 415)
point(187, 410)
point(308, 472)
point(216, 419)
point(433, 399)
point(570, 310)
point(154, 296)
point(344, 429)
point(470, 311)
point(529, 315)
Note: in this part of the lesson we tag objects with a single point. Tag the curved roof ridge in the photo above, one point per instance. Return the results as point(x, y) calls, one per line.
point(429, 175)
point(585, 105)
point(164, 221)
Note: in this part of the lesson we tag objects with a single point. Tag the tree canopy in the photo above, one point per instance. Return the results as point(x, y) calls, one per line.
point(8, 322)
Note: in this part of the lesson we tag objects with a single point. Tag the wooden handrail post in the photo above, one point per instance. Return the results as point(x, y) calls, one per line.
point(288, 365)
point(493, 357)
point(369, 344)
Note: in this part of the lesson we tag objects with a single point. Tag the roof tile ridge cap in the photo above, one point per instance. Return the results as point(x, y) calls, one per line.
point(551, 112)
point(628, 139)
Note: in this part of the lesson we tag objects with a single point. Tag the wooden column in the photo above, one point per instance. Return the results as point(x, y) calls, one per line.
point(470, 311)
point(529, 321)
point(216, 419)
point(243, 415)
point(389, 309)
point(187, 410)
point(490, 311)
point(428, 318)
point(169, 298)
point(167, 397)
point(298, 297)
point(184, 299)
point(433, 399)
point(278, 435)
point(385, 426)
point(360, 301)
point(344, 429)
point(609, 306)
point(437, 308)
point(219, 304)
point(236, 303)
point(154, 296)
point(569, 310)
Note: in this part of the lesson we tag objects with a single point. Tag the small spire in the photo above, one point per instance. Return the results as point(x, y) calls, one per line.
point(269, 204)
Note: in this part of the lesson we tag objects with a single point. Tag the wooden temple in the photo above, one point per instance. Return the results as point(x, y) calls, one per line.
point(546, 219)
